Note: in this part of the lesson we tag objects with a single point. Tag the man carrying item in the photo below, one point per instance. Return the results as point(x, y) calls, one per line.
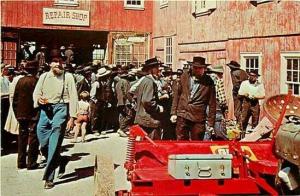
point(237, 76)
point(251, 91)
point(148, 111)
point(56, 95)
point(194, 94)
point(27, 117)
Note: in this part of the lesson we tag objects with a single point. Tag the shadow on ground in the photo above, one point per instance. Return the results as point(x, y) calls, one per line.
point(66, 147)
point(95, 138)
point(79, 173)
point(78, 156)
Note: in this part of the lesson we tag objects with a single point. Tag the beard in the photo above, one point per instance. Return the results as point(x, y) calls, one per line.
point(252, 81)
point(57, 71)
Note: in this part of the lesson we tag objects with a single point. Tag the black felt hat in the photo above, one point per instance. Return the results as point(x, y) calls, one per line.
point(198, 61)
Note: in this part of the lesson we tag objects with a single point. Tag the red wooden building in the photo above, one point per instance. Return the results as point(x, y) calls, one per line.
point(117, 31)
point(262, 35)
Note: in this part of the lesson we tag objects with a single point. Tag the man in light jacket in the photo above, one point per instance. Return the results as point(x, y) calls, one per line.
point(56, 95)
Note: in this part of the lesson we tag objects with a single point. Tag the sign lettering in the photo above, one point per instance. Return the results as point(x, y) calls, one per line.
point(55, 16)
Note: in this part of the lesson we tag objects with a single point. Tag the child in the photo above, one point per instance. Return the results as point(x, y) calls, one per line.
point(82, 116)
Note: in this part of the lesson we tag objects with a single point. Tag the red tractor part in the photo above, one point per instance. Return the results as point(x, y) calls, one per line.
point(149, 174)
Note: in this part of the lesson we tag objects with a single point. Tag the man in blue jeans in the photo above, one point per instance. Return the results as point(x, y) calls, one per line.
point(56, 96)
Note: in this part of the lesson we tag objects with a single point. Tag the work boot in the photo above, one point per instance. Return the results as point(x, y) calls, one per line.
point(48, 184)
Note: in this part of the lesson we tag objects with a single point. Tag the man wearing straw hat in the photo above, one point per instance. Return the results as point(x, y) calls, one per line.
point(194, 95)
point(100, 97)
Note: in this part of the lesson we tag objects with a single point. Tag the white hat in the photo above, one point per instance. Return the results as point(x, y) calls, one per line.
point(102, 72)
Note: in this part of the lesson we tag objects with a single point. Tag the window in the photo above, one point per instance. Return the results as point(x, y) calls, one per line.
point(98, 53)
point(66, 2)
point(122, 53)
point(9, 52)
point(251, 62)
point(203, 7)
point(134, 4)
point(126, 52)
point(139, 54)
point(169, 51)
point(163, 3)
point(290, 72)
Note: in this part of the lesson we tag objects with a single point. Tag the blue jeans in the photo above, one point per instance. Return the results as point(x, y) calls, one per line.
point(50, 132)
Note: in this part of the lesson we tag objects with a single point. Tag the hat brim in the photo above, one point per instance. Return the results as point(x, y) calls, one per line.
point(233, 66)
point(215, 71)
point(197, 64)
point(104, 74)
point(251, 74)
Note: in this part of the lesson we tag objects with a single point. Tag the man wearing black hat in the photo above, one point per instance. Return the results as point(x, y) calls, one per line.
point(27, 117)
point(194, 94)
point(237, 76)
point(147, 112)
point(251, 91)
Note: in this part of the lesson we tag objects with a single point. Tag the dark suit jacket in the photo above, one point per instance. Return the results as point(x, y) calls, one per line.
point(23, 101)
point(194, 108)
point(122, 88)
point(237, 77)
point(147, 110)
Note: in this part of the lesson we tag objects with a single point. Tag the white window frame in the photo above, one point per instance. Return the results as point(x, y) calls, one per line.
point(244, 56)
point(134, 7)
point(283, 69)
point(125, 60)
point(66, 3)
point(169, 63)
point(263, 1)
point(163, 3)
point(207, 7)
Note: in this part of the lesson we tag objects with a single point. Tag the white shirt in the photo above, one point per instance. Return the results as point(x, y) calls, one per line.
point(83, 107)
point(93, 91)
point(50, 86)
point(4, 86)
point(254, 90)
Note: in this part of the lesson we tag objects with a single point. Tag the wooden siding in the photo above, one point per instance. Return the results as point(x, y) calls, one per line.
point(233, 27)
point(104, 15)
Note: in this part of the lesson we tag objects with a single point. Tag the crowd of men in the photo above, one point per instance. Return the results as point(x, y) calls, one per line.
point(188, 104)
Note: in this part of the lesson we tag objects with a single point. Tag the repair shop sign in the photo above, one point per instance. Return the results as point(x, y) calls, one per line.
point(53, 16)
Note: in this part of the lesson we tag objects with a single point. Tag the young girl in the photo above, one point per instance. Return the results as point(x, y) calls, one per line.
point(82, 116)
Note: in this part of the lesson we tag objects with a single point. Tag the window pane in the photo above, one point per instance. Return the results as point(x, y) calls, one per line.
point(289, 63)
point(296, 89)
point(295, 76)
point(289, 76)
point(295, 64)
point(256, 63)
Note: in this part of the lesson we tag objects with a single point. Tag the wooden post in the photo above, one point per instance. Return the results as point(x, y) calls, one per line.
point(104, 180)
